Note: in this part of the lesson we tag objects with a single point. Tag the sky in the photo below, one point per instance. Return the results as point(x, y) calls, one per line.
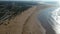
point(28, 0)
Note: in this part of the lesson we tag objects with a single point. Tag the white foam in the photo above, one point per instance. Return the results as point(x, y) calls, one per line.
point(56, 17)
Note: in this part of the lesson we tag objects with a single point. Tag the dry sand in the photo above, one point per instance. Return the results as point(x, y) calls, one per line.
point(25, 23)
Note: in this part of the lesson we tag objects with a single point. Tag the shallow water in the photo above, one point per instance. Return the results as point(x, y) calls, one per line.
point(48, 22)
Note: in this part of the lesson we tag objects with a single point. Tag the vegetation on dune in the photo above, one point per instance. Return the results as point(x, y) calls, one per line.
point(10, 8)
